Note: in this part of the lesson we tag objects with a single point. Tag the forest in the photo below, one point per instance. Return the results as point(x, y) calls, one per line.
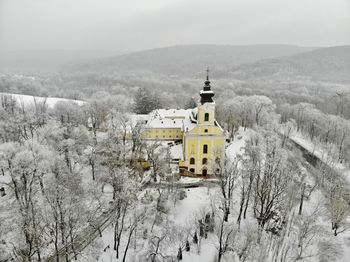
point(72, 186)
point(67, 174)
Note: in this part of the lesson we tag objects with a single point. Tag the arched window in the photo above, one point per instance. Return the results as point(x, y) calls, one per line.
point(205, 149)
point(206, 117)
point(192, 170)
point(192, 161)
point(204, 161)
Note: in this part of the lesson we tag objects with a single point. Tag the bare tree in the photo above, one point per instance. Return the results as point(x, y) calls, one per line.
point(26, 164)
point(227, 172)
point(307, 230)
point(338, 209)
point(251, 168)
point(137, 218)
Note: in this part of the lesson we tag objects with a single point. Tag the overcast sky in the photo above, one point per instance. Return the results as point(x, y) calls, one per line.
point(138, 24)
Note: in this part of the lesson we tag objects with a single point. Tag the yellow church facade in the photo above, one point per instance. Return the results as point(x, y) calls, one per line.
point(198, 136)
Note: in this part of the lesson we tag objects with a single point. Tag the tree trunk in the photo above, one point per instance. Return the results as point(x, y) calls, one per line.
point(302, 195)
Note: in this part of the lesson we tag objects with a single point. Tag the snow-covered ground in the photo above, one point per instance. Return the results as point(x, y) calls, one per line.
point(176, 151)
point(183, 216)
point(235, 147)
point(28, 100)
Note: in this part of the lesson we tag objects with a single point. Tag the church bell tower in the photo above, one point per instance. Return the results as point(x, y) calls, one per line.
point(206, 109)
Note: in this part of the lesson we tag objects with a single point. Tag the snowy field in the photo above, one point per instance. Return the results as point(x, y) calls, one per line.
point(27, 100)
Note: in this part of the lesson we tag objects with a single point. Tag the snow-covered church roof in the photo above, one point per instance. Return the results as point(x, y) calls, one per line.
point(173, 113)
point(168, 118)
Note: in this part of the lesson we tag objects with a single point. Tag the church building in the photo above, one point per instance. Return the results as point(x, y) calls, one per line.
point(199, 139)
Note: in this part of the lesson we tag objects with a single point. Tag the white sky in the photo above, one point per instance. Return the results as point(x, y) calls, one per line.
point(139, 24)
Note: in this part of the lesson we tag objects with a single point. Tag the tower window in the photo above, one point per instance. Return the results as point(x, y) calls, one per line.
point(206, 117)
point(205, 149)
point(204, 161)
point(192, 161)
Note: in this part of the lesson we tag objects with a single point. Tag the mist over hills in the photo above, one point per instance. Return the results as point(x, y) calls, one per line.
point(248, 62)
point(47, 60)
point(190, 60)
point(281, 71)
point(324, 64)
point(255, 62)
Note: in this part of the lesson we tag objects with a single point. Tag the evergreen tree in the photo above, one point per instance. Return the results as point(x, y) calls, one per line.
point(141, 101)
point(207, 218)
point(201, 228)
point(187, 248)
point(145, 101)
point(179, 254)
point(195, 238)
point(191, 103)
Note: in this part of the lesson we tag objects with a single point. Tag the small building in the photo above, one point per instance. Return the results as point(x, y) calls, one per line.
point(201, 136)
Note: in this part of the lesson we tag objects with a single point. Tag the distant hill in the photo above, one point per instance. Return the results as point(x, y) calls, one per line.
point(190, 60)
point(325, 64)
point(48, 60)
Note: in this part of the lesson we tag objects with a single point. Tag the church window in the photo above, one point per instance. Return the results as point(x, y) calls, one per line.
point(192, 161)
point(205, 130)
point(204, 161)
point(206, 117)
point(205, 149)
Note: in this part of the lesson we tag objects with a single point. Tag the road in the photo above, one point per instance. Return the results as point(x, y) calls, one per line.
point(84, 238)
point(324, 174)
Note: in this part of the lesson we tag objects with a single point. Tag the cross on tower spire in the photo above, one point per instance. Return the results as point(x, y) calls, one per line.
point(206, 94)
